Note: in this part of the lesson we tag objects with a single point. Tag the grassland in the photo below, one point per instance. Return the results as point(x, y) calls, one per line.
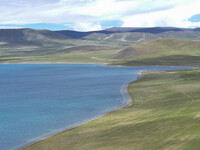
point(155, 52)
point(161, 52)
point(53, 53)
point(160, 47)
point(167, 52)
point(75, 57)
point(164, 115)
point(173, 60)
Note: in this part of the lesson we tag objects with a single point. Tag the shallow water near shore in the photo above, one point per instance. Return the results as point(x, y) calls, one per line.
point(38, 100)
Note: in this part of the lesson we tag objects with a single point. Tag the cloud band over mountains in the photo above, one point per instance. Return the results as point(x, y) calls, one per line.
point(85, 15)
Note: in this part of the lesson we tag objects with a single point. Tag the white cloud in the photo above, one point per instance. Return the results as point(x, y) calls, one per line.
point(85, 26)
point(87, 15)
point(10, 27)
point(177, 16)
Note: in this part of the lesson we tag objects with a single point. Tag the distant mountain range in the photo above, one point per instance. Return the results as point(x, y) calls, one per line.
point(116, 46)
point(153, 30)
point(26, 34)
point(115, 34)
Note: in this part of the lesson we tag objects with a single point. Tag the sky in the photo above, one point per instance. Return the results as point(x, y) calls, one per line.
point(89, 15)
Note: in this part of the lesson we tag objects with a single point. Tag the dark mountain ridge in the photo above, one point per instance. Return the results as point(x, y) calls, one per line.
point(26, 34)
point(121, 34)
point(152, 30)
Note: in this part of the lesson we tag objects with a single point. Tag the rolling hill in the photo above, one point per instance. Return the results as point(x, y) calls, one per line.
point(126, 36)
point(139, 46)
point(161, 47)
point(112, 36)
point(84, 48)
point(161, 52)
point(27, 35)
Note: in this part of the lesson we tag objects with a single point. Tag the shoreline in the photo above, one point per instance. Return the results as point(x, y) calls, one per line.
point(97, 63)
point(50, 63)
point(128, 101)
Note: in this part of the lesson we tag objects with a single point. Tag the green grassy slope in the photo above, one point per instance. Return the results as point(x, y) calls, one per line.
point(155, 52)
point(161, 52)
point(164, 115)
point(55, 51)
point(173, 60)
point(30, 46)
point(161, 47)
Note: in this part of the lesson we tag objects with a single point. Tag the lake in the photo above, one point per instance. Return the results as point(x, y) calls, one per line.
point(38, 100)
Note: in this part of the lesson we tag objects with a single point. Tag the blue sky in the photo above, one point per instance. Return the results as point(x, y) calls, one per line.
point(195, 18)
point(88, 15)
point(49, 26)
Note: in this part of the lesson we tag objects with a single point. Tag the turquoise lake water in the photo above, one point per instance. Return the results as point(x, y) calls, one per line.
point(37, 100)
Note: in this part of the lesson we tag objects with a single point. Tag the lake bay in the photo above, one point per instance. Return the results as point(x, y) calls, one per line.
point(38, 100)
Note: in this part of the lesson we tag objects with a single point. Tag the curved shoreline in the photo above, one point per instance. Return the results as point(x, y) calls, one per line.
point(126, 102)
point(126, 96)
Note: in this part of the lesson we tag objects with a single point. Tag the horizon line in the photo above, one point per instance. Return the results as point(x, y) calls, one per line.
point(18, 28)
